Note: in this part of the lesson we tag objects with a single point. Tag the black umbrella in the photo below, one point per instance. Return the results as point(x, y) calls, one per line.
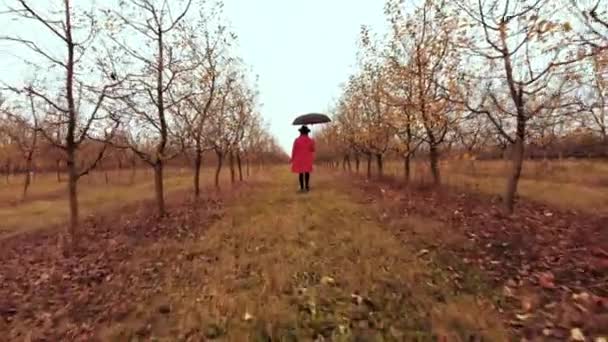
point(311, 119)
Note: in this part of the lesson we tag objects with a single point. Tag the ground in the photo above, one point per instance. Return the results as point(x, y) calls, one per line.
point(285, 266)
point(350, 261)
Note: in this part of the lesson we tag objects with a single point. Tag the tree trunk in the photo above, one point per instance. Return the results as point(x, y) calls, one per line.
point(380, 165)
point(159, 187)
point(357, 163)
point(28, 175)
point(348, 163)
point(407, 168)
point(232, 170)
point(26, 184)
point(8, 171)
point(240, 166)
point(73, 196)
point(517, 159)
point(369, 165)
point(434, 164)
point(58, 170)
point(220, 159)
point(71, 145)
point(248, 172)
point(197, 173)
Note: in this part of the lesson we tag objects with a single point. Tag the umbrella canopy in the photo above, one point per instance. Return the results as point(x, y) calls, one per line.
point(311, 119)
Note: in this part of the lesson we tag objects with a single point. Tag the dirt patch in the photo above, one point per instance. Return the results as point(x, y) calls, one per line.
point(45, 296)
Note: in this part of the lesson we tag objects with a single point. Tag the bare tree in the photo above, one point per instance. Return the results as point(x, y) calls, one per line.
point(240, 118)
point(520, 81)
point(209, 49)
point(76, 106)
point(150, 94)
point(24, 134)
point(217, 134)
point(592, 17)
point(593, 97)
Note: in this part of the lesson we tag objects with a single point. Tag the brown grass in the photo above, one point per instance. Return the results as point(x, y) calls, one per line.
point(567, 184)
point(47, 206)
point(283, 266)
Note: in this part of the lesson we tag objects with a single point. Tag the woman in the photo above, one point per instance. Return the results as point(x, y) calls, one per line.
point(302, 156)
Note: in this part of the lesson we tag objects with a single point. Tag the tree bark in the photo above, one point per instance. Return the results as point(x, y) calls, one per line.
point(71, 130)
point(197, 173)
point(73, 197)
point(220, 159)
point(58, 170)
point(407, 168)
point(159, 187)
point(240, 166)
point(28, 174)
point(408, 156)
point(26, 184)
point(434, 164)
point(164, 130)
point(517, 159)
point(232, 170)
point(8, 171)
point(380, 165)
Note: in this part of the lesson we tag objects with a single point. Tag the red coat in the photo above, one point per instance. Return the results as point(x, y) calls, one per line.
point(302, 154)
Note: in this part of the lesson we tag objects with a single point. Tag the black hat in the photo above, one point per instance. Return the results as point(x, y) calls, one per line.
point(304, 130)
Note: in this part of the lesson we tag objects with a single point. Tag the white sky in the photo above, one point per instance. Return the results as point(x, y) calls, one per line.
point(301, 50)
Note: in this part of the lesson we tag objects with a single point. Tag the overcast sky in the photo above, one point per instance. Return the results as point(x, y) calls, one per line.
point(302, 51)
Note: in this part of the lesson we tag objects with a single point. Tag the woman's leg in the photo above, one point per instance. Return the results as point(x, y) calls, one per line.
point(307, 180)
point(301, 177)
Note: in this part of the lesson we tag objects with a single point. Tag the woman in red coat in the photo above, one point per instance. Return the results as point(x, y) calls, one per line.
point(302, 157)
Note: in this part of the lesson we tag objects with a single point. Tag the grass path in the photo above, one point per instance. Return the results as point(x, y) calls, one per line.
point(282, 266)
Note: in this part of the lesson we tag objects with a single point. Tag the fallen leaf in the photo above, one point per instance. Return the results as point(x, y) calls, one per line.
point(328, 280)
point(247, 317)
point(583, 296)
point(546, 280)
point(577, 335)
point(357, 299)
point(422, 252)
